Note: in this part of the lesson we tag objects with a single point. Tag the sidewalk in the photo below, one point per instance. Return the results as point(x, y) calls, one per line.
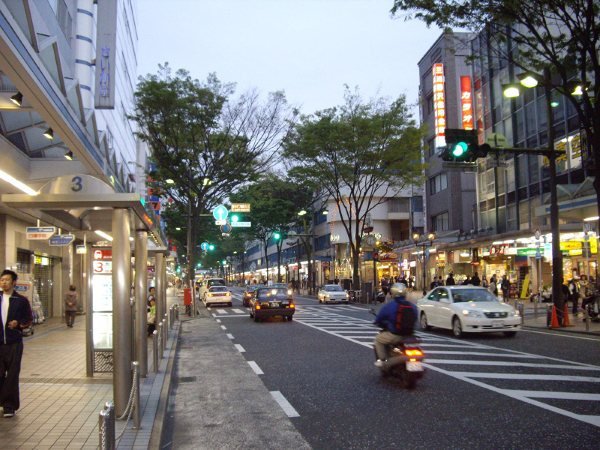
point(60, 405)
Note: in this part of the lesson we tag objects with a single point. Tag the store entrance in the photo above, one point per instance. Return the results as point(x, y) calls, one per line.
point(43, 281)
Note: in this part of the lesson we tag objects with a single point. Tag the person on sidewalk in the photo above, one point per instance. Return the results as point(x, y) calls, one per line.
point(71, 302)
point(151, 317)
point(16, 315)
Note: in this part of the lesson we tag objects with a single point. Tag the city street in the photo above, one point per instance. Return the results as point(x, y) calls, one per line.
point(535, 390)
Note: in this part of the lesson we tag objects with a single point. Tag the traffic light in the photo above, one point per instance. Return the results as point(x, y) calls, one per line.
point(462, 146)
point(277, 235)
point(234, 218)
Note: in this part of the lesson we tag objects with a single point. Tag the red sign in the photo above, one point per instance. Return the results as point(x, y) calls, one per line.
point(102, 255)
point(466, 102)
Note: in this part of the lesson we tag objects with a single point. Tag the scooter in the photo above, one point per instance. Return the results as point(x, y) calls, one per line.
point(406, 361)
point(592, 305)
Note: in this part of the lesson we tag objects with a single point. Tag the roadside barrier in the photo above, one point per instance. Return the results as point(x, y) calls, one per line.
point(106, 427)
point(155, 350)
point(566, 322)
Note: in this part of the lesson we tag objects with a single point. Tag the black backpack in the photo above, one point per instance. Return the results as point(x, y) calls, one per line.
point(405, 319)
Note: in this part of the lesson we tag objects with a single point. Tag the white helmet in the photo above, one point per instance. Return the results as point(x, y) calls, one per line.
point(398, 289)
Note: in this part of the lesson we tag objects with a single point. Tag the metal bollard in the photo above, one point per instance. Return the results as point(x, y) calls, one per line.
point(177, 312)
point(160, 337)
point(535, 306)
point(136, 394)
point(165, 335)
point(521, 309)
point(155, 350)
point(548, 315)
point(106, 427)
point(587, 319)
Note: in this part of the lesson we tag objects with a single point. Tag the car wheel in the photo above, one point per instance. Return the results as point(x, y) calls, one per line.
point(256, 319)
point(290, 318)
point(510, 333)
point(457, 327)
point(230, 304)
point(424, 325)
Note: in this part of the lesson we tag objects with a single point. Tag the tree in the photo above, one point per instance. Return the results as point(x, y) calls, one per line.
point(560, 35)
point(356, 155)
point(275, 202)
point(205, 144)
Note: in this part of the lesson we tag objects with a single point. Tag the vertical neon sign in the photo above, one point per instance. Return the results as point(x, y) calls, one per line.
point(439, 104)
point(466, 102)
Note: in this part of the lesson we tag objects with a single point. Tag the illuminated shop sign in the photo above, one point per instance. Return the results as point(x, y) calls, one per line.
point(466, 103)
point(439, 104)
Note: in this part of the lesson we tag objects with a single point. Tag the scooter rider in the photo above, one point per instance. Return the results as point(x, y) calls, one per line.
point(397, 318)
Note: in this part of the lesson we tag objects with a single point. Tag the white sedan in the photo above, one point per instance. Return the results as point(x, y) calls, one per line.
point(332, 293)
point(217, 294)
point(467, 309)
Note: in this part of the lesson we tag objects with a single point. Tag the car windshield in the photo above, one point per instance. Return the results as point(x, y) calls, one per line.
point(218, 289)
point(216, 283)
point(472, 295)
point(272, 293)
point(333, 288)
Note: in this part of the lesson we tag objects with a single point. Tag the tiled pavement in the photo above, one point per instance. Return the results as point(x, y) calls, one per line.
point(60, 406)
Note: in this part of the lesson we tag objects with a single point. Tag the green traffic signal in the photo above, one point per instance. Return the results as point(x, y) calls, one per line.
point(235, 218)
point(276, 236)
point(211, 247)
point(463, 146)
point(460, 149)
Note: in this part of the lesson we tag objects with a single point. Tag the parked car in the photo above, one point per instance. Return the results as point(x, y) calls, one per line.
point(467, 309)
point(217, 294)
point(269, 301)
point(333, 293)
point(249, 293)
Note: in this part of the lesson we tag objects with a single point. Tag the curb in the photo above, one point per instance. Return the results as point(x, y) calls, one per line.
point(160, 415)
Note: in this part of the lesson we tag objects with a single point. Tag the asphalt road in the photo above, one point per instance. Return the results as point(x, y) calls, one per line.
point(536, 390)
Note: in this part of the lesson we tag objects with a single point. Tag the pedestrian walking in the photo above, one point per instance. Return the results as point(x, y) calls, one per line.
point(494, 285)
point(505, 286)
point(475, 280)
point(71, 302)
point(151, 317)
point(450, 280)
point(574, 293)
point(152, 295)
point(16, 315)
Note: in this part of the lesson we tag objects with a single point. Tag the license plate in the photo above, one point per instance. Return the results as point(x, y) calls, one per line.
point(497, 323)
point(414, 366)
point(274, 304)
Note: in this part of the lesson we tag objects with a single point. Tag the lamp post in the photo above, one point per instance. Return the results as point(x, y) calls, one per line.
point(424, 241)
point(530, 80)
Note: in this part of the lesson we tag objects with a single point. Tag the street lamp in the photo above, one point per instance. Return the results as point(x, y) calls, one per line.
point(530, 80)
point(424, 241)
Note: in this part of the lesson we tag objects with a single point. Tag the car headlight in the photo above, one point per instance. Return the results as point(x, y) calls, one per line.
point(347, 295)
point(290, 292)
point(472, 313)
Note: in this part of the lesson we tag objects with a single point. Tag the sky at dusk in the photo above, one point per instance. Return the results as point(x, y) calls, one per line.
point(309, 49)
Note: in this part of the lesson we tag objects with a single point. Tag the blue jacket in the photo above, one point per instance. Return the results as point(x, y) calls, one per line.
point(398, 317)
point(19, 309)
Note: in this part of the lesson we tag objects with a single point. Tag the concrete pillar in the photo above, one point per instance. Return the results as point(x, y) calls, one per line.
point(122, 317)
point(141, 294)
point(161, 297)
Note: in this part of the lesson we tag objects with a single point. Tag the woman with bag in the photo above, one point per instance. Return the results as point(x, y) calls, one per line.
point(71, 305)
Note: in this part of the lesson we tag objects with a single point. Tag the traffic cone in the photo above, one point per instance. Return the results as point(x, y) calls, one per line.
point(566, 322)
point(554, 321)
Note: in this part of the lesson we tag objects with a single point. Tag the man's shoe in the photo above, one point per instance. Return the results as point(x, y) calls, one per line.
point(379, 363)
point(9, 412)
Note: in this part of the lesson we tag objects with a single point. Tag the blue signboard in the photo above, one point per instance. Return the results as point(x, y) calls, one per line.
point(220, 213)
point(61, 240)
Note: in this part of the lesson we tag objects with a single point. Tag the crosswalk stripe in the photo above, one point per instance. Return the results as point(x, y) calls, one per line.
point(528, 376)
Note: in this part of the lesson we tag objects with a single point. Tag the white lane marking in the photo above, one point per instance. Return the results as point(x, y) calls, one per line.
point(230, 336)
point(572, 336)
point(218, 320)
point(555, 395)
point(238, 311)
point(523, 376)
point(465, 353)
point(239, 348)
point(257, 370)
point(511, 364)
point(223, 327)
point(214, 314)
point(221, 311)
point(285, 405)
point(593, 420)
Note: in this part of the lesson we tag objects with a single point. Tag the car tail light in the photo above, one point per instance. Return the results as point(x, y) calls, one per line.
point(257, 306)
point(292, 305)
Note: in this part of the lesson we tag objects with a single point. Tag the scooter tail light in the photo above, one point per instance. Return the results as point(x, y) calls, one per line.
point(413, 352)
point(257, 306)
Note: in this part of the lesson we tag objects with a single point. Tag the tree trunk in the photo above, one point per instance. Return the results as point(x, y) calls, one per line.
point(355, 271)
